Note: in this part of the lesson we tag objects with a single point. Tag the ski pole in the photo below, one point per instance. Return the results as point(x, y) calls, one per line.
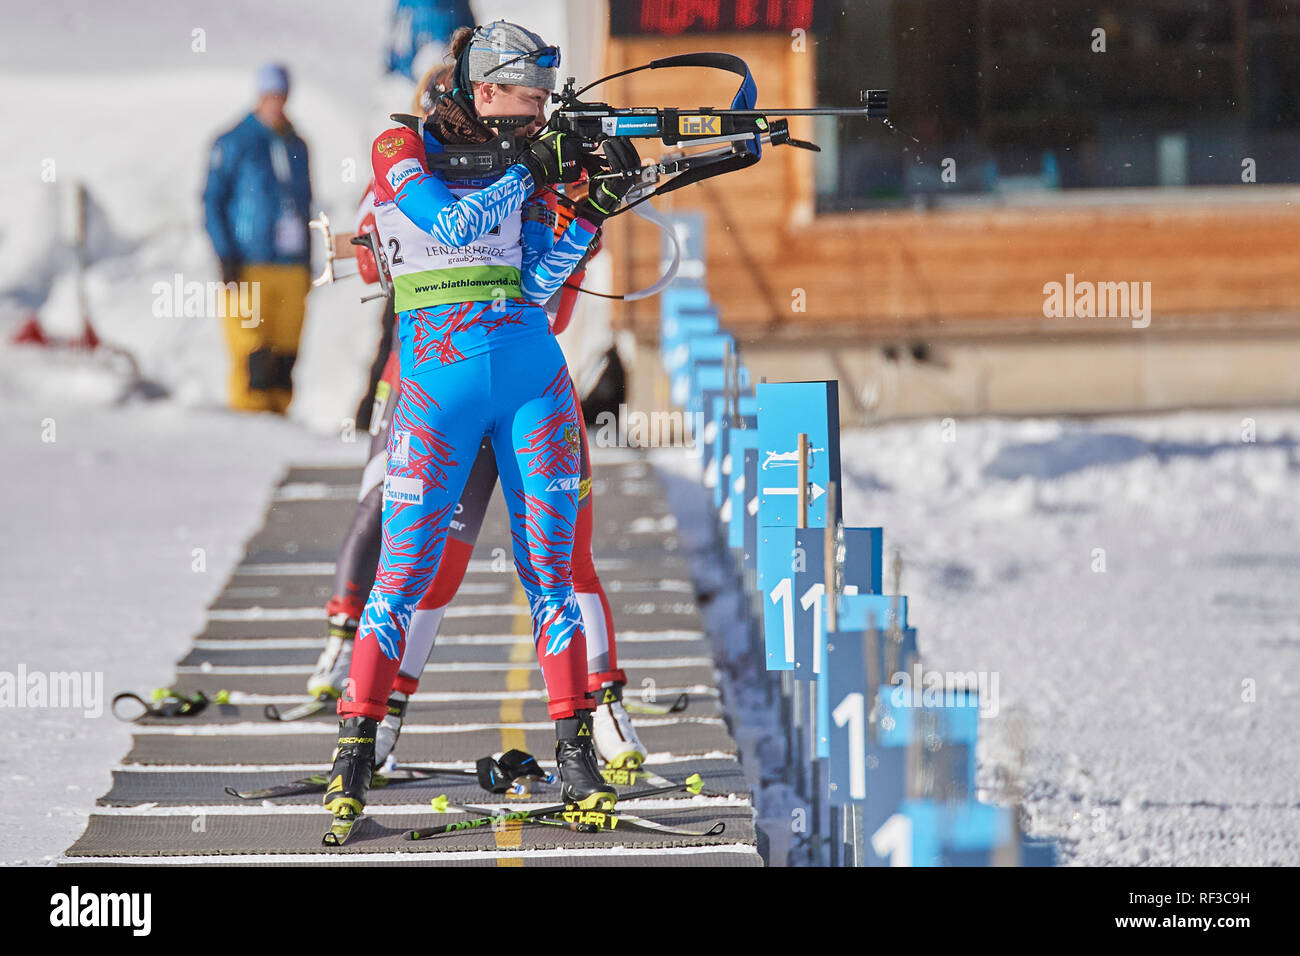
point(440, 805)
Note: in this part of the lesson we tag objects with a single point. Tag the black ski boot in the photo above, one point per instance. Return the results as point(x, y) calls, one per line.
point(354, 763)
point(582, 784)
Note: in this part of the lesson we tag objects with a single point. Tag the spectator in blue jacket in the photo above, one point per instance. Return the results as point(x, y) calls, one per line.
point(257, 203)
point(420, 33)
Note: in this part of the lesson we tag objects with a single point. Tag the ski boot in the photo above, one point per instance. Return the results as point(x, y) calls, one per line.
point(615, 737)
point(349, 779)
point(390, 728)
point(581, 782)
point(327, 681)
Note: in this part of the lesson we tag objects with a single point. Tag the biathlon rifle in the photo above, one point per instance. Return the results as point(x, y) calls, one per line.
point(737, 134)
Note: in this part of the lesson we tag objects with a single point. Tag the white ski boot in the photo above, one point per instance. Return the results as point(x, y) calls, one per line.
point(615, 737)
point(335, 661)
point(390, 728)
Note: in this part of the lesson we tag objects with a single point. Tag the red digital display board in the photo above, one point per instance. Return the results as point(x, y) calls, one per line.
point(673, 17)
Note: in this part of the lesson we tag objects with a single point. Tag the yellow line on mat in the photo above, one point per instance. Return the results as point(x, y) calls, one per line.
point(512, 711)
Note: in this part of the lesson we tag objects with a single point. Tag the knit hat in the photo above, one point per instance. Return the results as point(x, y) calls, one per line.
point(504, 52)
point(272, 78)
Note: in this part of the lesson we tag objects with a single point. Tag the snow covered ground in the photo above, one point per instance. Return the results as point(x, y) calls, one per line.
point(1132, 584)
point(1123, 715)
point(117, 535)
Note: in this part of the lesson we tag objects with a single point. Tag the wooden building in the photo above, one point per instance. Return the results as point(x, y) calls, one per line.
point(939, 307)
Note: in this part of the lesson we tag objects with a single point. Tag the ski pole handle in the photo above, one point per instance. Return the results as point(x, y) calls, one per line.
point(321, 224)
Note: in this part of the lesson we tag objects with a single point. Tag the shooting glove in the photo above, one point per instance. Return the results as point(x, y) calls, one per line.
point(553, 158)
point(605, 194)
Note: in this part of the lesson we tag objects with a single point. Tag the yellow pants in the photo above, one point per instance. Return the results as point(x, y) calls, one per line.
point(263, 321)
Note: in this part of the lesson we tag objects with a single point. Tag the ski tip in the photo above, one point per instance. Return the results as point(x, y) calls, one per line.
point(679, 704)
point(716, 828)
point(411, 835)
point(234, 793)
point(271, 712)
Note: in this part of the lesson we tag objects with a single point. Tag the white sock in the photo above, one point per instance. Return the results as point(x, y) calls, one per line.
point(420, 638)
point(593, 622)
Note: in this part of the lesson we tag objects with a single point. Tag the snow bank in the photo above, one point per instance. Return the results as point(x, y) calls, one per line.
point(1132, 582)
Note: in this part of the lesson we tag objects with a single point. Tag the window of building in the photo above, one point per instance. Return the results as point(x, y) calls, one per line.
point(989, 97)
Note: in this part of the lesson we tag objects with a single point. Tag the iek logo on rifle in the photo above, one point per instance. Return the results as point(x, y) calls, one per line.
point(699, 126)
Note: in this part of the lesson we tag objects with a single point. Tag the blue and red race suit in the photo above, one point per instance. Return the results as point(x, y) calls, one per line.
point(471, 264)
point(354, 573)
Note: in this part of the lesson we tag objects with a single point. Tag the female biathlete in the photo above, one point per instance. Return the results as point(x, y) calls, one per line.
point(471, 263)
point(614, 735)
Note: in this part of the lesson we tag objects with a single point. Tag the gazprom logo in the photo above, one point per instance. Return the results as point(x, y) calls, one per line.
point(402, 172)
point(403, 490)
point(566, 483)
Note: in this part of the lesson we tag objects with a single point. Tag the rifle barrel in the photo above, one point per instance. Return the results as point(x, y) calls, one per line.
point(815, 111)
